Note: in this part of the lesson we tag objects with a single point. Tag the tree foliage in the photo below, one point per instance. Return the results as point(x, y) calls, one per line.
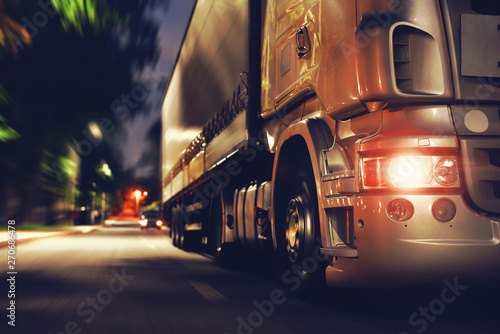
point(13, 35)
point(68, 74)
point(78, 14)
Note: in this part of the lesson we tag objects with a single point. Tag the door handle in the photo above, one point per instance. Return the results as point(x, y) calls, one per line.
point(303, 42)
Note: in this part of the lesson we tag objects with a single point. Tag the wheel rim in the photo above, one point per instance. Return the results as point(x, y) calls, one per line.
point(296, 223)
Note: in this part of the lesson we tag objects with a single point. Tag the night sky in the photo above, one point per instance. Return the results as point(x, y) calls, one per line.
point(172, 27)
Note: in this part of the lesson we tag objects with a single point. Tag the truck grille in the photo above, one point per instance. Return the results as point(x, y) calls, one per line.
point(481, 170)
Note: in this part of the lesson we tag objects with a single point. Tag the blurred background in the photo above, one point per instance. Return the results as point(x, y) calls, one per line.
point(81, 83)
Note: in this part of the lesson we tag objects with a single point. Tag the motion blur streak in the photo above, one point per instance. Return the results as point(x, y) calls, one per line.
point(173, 291)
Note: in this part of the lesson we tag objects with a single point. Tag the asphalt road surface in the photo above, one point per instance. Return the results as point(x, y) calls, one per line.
point(124, 280)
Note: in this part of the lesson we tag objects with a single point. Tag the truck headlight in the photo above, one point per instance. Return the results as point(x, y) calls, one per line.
point(409, 172)
point(446, 171)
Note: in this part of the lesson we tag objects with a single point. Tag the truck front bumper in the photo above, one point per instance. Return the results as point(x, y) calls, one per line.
point(421, 249)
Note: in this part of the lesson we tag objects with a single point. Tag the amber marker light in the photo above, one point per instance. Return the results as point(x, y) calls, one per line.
point(372, 173)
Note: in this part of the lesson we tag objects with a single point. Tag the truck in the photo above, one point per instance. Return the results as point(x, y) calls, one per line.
point(352, 142)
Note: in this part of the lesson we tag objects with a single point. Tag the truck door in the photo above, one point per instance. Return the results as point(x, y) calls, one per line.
point(296, 49)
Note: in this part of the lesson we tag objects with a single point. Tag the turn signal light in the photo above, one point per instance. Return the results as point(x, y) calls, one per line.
point(372, 173)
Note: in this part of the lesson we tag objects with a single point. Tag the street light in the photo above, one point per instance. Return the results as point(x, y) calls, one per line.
point(137, 196)
point(94, 129)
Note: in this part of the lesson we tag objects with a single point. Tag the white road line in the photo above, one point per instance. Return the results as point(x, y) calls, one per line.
point(207, 291)
point(151, 246)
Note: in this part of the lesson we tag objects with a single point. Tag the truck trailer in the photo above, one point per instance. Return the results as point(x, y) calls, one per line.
point(356, 141)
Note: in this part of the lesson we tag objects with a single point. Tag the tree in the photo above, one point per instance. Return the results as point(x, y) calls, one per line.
point(64, 76)
point(12, 34)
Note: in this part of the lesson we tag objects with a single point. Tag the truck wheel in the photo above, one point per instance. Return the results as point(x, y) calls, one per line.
point(300, 236)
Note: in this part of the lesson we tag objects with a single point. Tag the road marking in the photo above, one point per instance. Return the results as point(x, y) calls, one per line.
point(207, 291)
point(151, 246)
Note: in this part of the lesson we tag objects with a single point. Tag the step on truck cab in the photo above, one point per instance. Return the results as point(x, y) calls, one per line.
point(353, 140)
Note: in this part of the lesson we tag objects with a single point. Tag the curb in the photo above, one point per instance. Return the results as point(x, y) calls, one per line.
point(58, 235)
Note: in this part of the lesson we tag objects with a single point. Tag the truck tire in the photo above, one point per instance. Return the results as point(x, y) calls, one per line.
point(299, 240)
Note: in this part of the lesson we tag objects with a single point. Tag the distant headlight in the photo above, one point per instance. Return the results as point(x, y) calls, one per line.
point(144, 222)
point(159, 223)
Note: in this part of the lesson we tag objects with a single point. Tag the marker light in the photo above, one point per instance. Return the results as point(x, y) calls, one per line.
point(159, 223)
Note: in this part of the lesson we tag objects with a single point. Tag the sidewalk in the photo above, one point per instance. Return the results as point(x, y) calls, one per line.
point(28, 235)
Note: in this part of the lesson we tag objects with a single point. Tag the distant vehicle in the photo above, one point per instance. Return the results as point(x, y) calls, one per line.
point(122, 221)
point(150, 219)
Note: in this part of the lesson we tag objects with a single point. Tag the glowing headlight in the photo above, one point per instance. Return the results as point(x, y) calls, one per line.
point(411, 171)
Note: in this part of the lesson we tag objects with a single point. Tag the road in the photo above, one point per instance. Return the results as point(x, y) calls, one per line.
point(123, 280)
